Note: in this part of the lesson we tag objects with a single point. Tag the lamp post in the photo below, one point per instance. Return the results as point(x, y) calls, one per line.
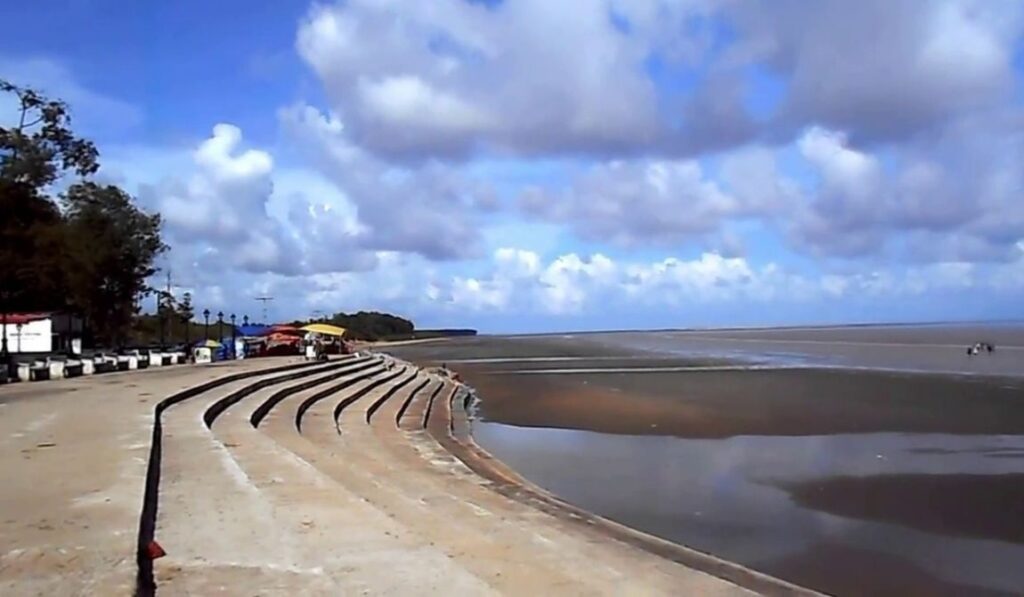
point(220, 326)
point(233, 331)
point(245, 320)
point(206, 328)
point(188, 334)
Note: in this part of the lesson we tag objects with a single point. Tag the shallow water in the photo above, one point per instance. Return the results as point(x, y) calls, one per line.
point(928, 348)
point(729, 497)
point(823, 473)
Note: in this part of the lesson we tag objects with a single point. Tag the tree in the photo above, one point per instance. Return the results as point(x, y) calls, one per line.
point(111, 246)
point(95, 255)
point(42, 145)
point(32, 155)
point(186, 312)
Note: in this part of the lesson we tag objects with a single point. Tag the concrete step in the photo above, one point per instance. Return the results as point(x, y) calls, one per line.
point(556, 540)
point(354, 546)
point(476, 532)
point(212, 521)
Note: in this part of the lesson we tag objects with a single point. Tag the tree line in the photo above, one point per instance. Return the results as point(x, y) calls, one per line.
point(68, 243)
point(368, 325)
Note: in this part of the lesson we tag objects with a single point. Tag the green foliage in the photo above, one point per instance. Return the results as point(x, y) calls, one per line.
point(145, 330)
point(110, 248)
point(94, 255)
point(36, 151)
point(369, 325)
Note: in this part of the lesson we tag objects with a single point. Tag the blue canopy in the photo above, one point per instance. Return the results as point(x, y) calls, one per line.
point(253, 329)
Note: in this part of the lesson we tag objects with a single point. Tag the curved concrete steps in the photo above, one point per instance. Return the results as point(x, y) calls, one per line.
point(361, 475)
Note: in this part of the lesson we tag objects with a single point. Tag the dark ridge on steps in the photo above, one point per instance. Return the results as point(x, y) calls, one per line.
point(408, 401)
point(317, 397)
point(357, 395)
point(387, 395)
point(218, 407)
point(430, 404)
point(145, 584)
point(266, 406)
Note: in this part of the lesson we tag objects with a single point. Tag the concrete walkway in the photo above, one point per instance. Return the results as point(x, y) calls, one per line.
point(354, 476)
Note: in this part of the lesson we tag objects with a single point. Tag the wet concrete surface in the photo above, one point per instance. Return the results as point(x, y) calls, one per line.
point(805, 463)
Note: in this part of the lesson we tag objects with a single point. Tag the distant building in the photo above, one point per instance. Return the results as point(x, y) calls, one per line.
point(43, 332)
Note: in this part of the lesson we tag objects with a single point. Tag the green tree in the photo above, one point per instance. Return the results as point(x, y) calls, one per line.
point(42, 145)
point(186, 312)
point(110, 246)
point(33, 154)
point(94, 255)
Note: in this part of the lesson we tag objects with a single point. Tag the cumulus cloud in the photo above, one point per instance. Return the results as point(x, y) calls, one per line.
point(526, 76)
point(224, 216)
point(882, 68)
point(430, 209)
point(947, 199)
point(519, 281)
point(623, 201)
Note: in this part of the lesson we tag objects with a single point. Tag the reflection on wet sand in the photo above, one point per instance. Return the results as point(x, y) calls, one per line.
point(967, 505)
point(729, 497)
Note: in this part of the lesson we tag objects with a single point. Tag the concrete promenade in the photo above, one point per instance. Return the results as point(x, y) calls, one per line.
point(274, 477)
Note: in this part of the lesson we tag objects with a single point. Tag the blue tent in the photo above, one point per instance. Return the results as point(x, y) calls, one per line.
point(253, 329)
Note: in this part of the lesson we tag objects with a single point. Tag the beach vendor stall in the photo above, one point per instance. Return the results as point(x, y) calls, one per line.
point(330, 337)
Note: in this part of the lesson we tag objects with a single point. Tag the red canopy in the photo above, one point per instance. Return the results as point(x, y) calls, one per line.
point(280, 338)
point(285, 329)
point(23, 318)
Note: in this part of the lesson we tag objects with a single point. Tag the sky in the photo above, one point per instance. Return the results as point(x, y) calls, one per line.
point(527, 165)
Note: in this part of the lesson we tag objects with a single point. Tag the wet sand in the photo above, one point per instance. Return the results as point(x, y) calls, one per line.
point(810, 465)
point(980, 506)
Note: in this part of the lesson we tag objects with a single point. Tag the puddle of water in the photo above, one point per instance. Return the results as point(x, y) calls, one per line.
point(731, 497)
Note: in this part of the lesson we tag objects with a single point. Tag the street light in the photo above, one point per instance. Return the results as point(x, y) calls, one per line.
point(206, 329)
point(233, 336)
point(245, 320)
point(220, 326)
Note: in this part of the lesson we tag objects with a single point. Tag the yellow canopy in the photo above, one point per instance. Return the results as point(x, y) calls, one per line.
point(325, 329)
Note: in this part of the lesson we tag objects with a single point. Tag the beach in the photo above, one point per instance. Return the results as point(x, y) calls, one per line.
point(855, 460)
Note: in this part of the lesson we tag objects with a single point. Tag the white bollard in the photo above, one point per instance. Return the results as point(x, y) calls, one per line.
point(56, 369)
point(88, 367)
point(24, 371)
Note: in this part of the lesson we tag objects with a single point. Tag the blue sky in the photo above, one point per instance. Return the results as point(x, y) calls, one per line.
point(531, 166)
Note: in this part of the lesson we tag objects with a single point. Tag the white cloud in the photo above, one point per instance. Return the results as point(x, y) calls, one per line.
point(430, 209)
point(442, 78)
point(570, 284)
point(946, 199)
point(882, 68)
point(227, 208)
point(638, 202)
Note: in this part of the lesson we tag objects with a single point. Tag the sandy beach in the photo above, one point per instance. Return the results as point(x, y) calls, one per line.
point(850, 460)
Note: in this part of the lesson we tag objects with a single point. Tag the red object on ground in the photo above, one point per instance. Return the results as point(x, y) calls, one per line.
point(154, 551)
